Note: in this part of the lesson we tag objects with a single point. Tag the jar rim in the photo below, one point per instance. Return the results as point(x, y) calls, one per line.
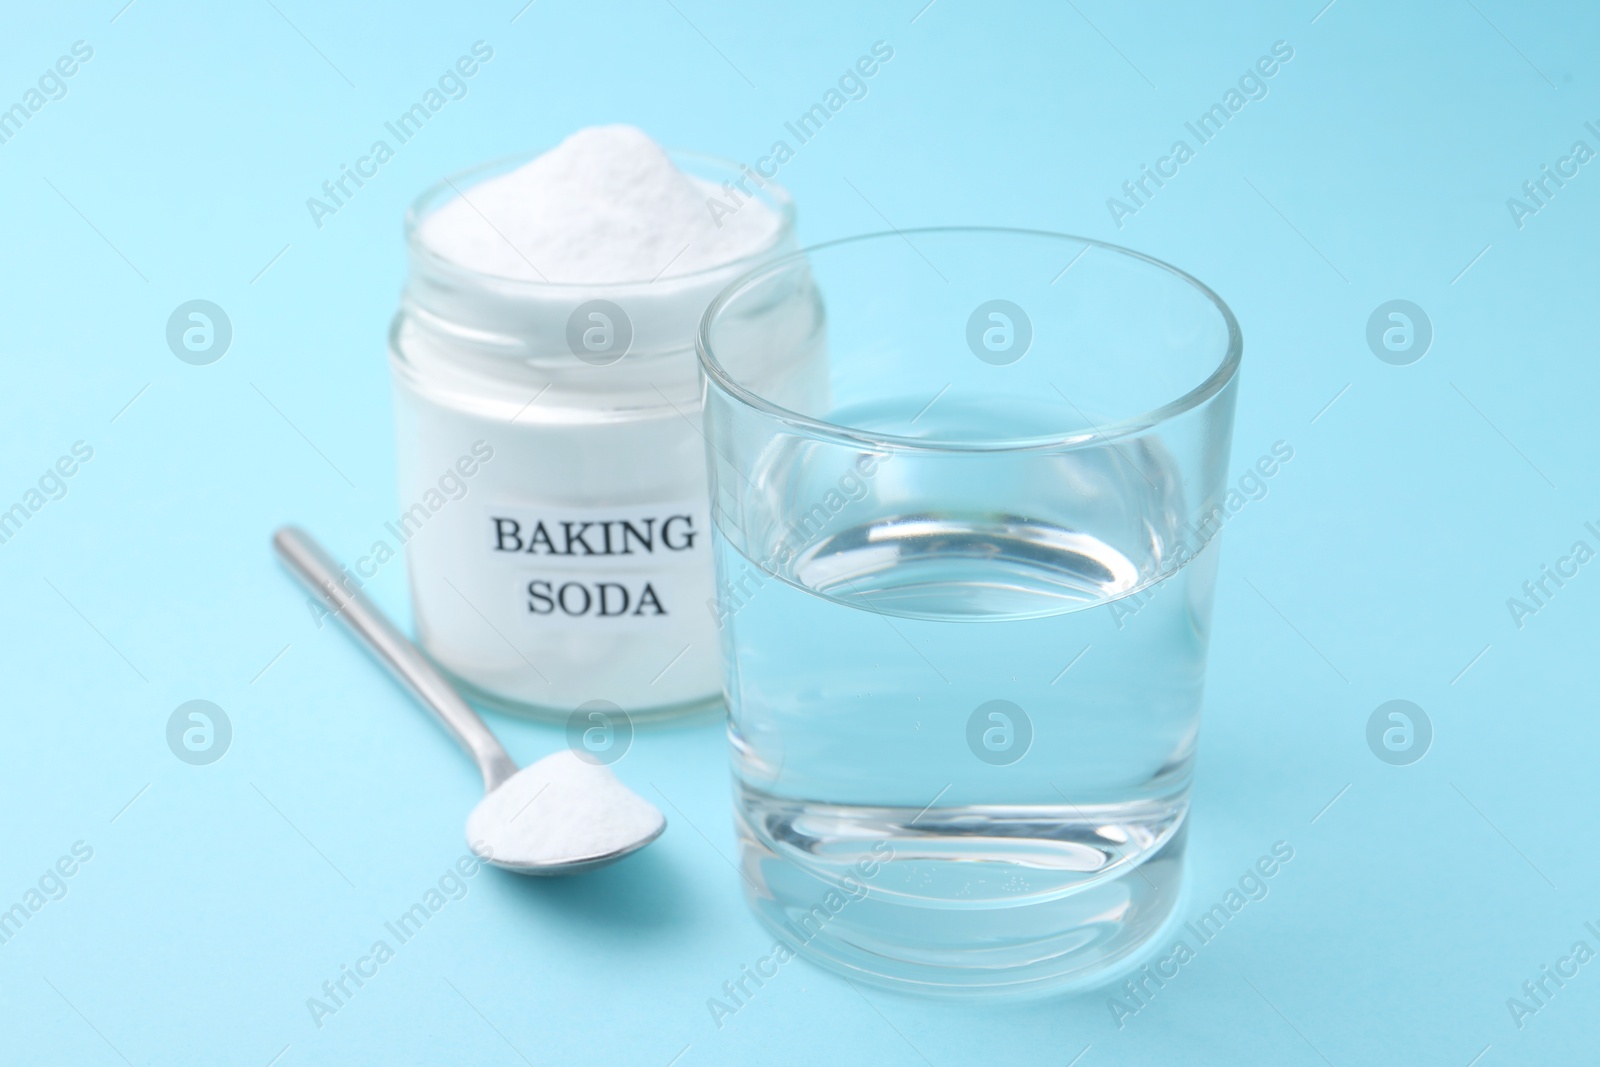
point(1225, 372)
point(431, 198)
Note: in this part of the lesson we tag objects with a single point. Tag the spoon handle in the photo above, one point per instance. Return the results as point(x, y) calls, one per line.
point(319, 573)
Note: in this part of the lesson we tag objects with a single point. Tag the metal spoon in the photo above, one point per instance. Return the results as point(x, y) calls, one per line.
point(506, 823)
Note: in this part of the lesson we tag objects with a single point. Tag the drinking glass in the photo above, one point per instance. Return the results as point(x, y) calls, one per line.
point(965, 551)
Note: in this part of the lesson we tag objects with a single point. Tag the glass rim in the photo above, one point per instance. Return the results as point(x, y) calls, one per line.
point(1225, 372)
point(418, 210)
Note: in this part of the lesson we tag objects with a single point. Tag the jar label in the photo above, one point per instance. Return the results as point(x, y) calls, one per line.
point(614, 568)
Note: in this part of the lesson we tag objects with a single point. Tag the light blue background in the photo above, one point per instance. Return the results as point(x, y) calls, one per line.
point(1378, 567)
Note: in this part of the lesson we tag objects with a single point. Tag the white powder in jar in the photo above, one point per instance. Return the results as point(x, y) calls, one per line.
point(606, 205)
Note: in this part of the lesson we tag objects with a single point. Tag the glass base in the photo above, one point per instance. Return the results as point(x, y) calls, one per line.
point(923, 914)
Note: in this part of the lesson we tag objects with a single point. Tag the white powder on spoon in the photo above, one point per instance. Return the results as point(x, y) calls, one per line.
point(558, 810)
point(605, 205)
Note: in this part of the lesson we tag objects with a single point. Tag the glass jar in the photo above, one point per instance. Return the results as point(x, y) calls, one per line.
point(552, 475)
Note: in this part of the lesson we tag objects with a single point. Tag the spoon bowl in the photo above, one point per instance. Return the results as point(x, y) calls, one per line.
point(601, 819)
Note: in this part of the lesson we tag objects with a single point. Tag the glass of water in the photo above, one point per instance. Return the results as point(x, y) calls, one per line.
point(966, 548)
